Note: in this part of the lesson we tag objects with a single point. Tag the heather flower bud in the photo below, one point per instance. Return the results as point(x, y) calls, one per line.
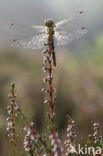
point(31, 124)
point(46, 100)
point(8, 128)
point(9, 107)
point(45, 69)
point(10, 123)
point(46, 58)
point(45, 90)
point(8, 119)
point(45, 51)
point(54, 90)
point(9, 112)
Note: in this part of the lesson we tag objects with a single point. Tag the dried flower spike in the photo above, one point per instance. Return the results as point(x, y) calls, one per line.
point(70, 142)
point(57, 147)
point(97, 134)
point(11, 121)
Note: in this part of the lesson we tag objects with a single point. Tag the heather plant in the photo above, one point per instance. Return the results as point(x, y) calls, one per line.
point(35, 143)
point(11, 121)
point(95, 139)
point(42, 145)
point(47, 144)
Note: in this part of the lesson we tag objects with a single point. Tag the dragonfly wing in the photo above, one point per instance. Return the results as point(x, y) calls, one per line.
point(63, 22)
point(35, 42)
point(65, 37)
point(26, 30)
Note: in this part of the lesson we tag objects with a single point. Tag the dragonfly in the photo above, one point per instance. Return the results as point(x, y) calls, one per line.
point(49, 34)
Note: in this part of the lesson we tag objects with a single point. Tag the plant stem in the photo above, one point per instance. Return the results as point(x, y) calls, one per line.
point(50, 83)
point(51, 51)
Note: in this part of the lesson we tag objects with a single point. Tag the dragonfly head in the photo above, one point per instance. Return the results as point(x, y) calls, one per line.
point(49, 23)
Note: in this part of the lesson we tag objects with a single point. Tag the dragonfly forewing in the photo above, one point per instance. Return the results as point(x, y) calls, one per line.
point(64, 22)
point(26, 30)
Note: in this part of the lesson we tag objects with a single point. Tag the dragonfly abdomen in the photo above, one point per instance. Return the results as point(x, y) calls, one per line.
point(53, 53)
point(51, 47)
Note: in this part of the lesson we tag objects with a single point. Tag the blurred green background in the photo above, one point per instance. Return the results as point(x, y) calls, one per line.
point(78, 76)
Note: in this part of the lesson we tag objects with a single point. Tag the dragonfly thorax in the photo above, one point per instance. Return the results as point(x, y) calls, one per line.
point(50, 27)
point(49, 23)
